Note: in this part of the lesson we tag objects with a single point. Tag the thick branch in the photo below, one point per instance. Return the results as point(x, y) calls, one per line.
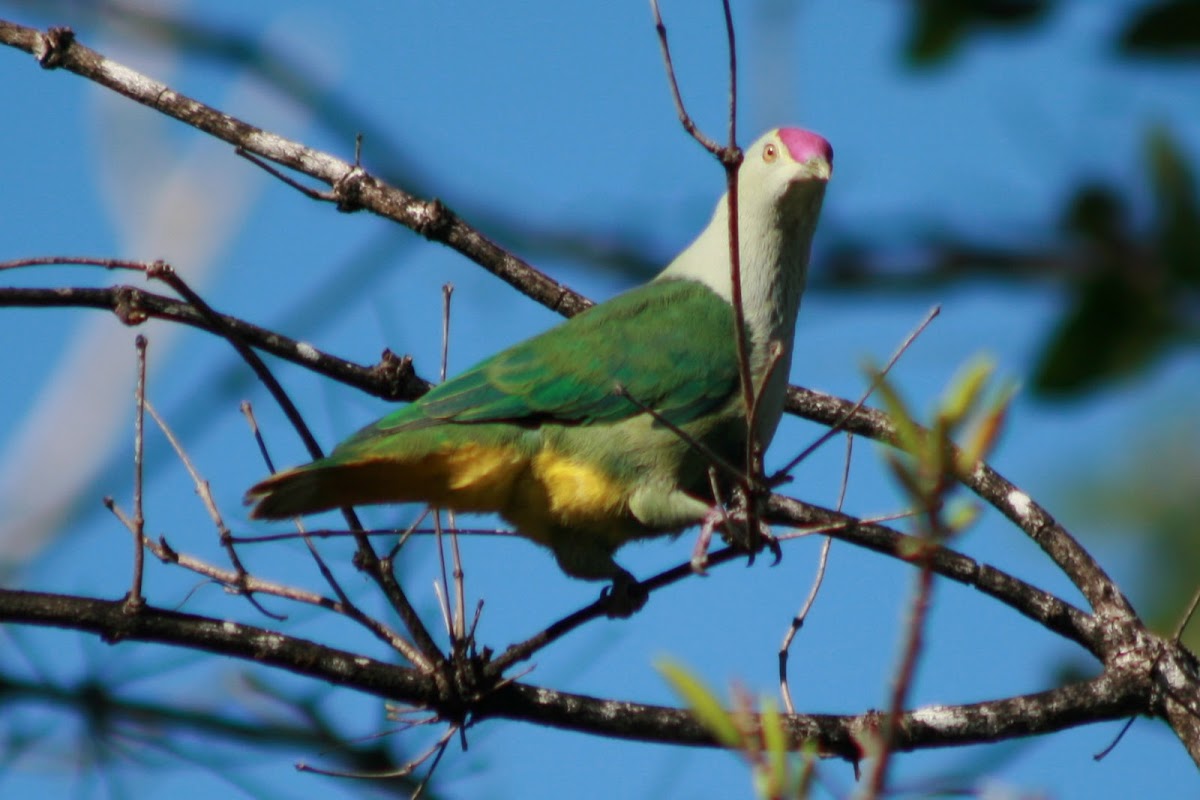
point(391, 379)
point(1110, 696)
point(1040, 606)
point(1100, 590)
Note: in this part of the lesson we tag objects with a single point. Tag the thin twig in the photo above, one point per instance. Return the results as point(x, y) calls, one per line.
point(447, 293)
point(460, 582)
point(402, 772)
point(205, 493)
point(458, 630)
point(408, 532)
point(339, 533)
point(134, 600)
point(425, 653)
point(1187, 616)
point(313, 194)
point(224, 577)
point(442, 744)
point(781, 476)
point(733, 74)
point(818, 580)
point(1116, 740)
point(798, 623)
point(443, 606)
point(710, 455)
point(684, 118)
point(914, 640)
point(351, 609)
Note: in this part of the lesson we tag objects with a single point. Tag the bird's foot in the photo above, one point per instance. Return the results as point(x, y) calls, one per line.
point(625, 596)
point(738, 529)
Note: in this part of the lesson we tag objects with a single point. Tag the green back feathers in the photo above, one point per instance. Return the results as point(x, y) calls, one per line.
point(669, 343)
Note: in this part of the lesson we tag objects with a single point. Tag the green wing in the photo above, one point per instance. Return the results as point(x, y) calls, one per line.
point(669, 343)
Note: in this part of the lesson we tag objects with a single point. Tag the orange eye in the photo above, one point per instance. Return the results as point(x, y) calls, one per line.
point(770, 153)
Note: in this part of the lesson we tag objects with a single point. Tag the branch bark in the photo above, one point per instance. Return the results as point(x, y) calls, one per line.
point(1112, 695)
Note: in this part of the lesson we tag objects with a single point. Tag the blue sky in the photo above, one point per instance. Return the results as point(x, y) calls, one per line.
point(540, 116)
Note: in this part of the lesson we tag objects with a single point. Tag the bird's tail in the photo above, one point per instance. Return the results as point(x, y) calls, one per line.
point(322, 486)
point(470, 477)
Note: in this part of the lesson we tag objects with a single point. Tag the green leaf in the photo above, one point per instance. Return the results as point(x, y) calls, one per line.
point(1164, 29)
point(939, 27)
point(1115, 329)
point(775, 741)
point(1098, 214)
point(909, 435)
point(1177, 208)
point(962, 395)
point(983, 439)
point(702, 702)
point(962, 515)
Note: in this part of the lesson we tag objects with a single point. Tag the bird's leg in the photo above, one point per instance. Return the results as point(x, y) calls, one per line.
point(751, 534)
point(625, 596)
point(715, 515)
point(738, 528)
point(584, 558)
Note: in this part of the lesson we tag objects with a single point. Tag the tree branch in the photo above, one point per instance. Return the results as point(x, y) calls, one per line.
point(1113, 695)
point(1100, 590)
point(353, 188)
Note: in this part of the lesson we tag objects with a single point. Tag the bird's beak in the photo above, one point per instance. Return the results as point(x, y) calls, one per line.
point(818, 169)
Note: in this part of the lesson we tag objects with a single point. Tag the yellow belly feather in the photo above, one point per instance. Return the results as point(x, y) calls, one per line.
point(537, 494)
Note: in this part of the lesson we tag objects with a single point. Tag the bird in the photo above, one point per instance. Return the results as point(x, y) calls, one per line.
point(602, 430)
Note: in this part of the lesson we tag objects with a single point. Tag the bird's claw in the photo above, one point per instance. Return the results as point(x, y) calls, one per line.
point(736, 530)
point(625, 596)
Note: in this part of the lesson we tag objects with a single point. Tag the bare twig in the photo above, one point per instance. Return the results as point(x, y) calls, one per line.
point(456, 632)
point(684, 118)
point(822, 562)
point(730, 157)
point(312, 194)
point(1116, 740)
point(391, 379)
point(711, 456)
point(425, 652)
point(342, 533)
point(225, 577)
point(798, 623)
point(205, 492)
point(1187, 616)
point(403, 771)
point(134, 600)
point(349, 608)
point(781, 476)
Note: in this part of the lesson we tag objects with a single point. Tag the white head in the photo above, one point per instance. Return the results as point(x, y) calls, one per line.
point(781, 184)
